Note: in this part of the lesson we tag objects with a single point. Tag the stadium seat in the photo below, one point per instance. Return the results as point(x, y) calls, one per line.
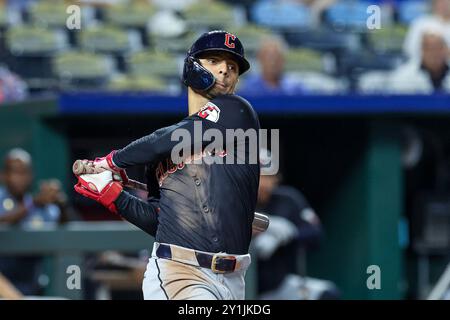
point(281, 14)
point(30, 51)
point(373, 82)
point(176, 44)
point(137, 83)
point(348, 14)
point(3, 17)
point(353, 64)
point(157, 64)
point(388, 38)
point(136, 15)
point(109, 39)
point(251, 35)
point(366, 60)
point(303, 60)
point(323, 39)
point(29, 40)
point(9, 17)
point(178, 5)
point(319, 83)
point(83, 70)
point(53, 13)
point(410, 10)
point(48, 13)
point(214, 15)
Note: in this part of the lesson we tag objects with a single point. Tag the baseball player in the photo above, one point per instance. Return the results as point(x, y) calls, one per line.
point(200, 213)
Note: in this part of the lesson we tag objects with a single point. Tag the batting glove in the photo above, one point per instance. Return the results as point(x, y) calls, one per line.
point(106, 163)
point(100, 187)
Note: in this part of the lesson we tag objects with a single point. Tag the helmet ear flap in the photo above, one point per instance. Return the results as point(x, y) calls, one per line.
point(196, 76)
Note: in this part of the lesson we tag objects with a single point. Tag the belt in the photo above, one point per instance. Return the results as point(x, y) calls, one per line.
point(217, 262)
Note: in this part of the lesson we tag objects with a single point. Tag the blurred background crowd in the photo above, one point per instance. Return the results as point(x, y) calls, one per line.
point(367, 48)
point(296, 46)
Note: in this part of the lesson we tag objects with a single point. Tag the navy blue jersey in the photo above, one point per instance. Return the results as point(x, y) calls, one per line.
point(204, 206)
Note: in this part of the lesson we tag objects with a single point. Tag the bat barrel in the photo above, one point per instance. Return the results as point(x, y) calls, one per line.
point(260, 222)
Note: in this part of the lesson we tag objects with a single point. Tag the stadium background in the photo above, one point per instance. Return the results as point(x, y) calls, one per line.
point(117, 78)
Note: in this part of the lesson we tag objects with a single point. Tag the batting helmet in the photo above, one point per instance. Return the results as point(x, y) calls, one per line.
point(198, 77)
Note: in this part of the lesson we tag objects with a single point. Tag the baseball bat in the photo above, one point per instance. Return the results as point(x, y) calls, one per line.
point(80, 167)
point(260, 221)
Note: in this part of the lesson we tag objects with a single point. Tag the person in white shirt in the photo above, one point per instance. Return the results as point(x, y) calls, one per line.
point(427, 75)
point(438, 19)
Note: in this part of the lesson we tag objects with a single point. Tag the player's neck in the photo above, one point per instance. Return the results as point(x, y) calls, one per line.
point(195, 101)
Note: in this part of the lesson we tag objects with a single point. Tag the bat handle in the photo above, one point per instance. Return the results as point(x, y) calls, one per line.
point(136, 185)
point(78, 167)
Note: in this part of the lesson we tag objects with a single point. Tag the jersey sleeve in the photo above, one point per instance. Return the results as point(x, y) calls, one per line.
point(150, 148)
point(222, 113)
point(143, 214)
point(228, 112)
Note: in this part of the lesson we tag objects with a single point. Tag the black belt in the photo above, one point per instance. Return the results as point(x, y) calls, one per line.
point(217, 263)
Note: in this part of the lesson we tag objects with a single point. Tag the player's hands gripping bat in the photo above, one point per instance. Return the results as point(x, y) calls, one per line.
point(81, 167)
point(99, 165)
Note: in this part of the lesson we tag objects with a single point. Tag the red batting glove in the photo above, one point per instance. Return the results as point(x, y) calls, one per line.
point(100, 187)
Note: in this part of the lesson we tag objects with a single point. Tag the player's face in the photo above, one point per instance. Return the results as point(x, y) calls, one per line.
point(224, 68)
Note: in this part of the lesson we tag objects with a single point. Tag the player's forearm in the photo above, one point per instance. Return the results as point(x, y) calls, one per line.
point(138, 212)
point(150, 148)
point(141, 151)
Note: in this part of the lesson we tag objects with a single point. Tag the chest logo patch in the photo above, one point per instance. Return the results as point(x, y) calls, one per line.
point(210, 112)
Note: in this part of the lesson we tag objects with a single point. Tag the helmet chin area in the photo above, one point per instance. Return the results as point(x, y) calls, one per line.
point(208, 93)
point(196, 76)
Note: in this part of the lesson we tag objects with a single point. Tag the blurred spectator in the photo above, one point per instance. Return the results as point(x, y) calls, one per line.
point(318, 7)
point(12, 88)
point(294, 226)
point(18, 207)
point(166, 23)
point(439, 19)
point(271, 80)
point(430, 74)
point(282, 14)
